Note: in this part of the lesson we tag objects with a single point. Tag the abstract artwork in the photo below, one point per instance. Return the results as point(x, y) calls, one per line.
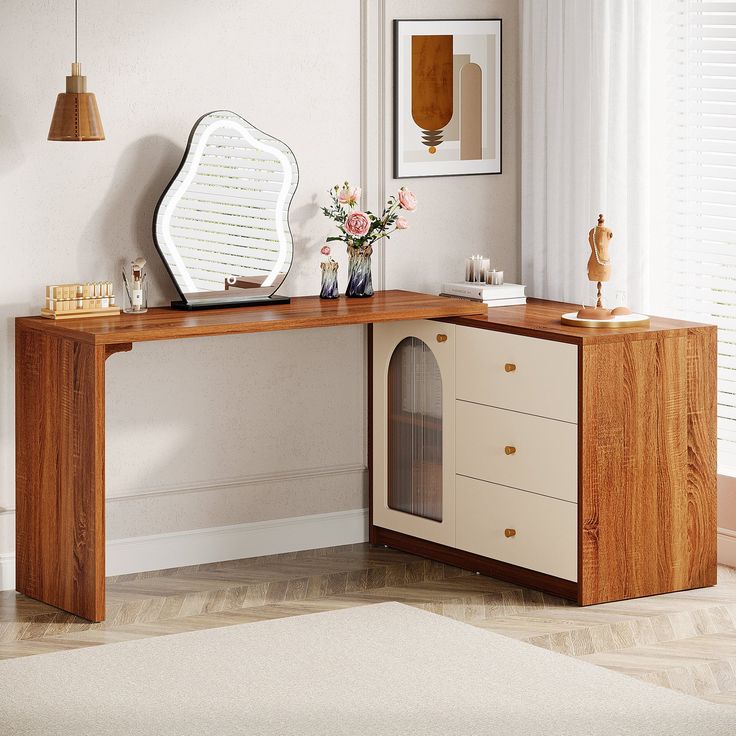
point(447, 97)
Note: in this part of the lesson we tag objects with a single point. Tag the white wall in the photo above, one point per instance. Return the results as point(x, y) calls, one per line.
point(460, 215)
point(220, 431)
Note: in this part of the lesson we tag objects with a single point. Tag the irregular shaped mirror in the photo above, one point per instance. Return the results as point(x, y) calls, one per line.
point(222, 224)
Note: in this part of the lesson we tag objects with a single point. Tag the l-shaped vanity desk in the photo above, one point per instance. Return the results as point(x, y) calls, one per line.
point(581, 462)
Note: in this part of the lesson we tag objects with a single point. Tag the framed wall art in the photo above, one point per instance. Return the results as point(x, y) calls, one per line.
point(447, 97)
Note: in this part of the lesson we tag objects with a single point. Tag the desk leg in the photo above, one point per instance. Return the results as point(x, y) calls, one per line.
point(60, 471)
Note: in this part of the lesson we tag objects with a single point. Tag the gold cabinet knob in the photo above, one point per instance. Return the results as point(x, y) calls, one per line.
point(510, 367)
point(441, 338)
point(509, 450)
point(509, 532)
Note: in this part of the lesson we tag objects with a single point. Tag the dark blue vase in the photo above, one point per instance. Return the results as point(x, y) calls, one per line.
point(360, 282)
point(329, 280)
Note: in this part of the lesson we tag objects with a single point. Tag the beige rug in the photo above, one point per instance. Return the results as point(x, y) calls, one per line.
point(369, 671)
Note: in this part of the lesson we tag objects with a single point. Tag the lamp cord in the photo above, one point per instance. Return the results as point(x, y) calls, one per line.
point(76, 59)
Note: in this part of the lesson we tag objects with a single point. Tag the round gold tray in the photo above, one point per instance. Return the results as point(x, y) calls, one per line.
point(627, 320)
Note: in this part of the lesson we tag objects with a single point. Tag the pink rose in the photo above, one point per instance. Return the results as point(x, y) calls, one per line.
point(349, 195)
point(325, 250)
point(407, 200)
point(357, 224)
point(402, 223)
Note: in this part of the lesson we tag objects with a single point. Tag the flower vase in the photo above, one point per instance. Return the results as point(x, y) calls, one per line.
point(329, 280)
point(360, 282)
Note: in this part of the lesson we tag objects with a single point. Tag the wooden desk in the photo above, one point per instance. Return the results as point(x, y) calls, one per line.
point(60, 422)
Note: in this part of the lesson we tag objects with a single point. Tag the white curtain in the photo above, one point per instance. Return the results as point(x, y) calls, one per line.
point(585, 144)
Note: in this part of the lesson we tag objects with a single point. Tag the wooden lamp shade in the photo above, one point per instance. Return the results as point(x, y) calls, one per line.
point(76, 117)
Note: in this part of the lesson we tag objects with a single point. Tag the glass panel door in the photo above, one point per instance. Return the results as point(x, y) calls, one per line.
point(415, 430)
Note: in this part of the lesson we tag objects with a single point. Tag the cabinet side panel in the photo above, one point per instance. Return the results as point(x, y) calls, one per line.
point(60, 535)
point(644, 512)
point(601, 437)
point(701, 476)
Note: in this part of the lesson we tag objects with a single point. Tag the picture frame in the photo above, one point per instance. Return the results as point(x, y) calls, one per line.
point(447, 97)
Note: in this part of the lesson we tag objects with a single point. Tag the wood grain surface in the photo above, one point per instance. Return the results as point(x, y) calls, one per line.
point(60, 471)
point(541, 318)
point(685, 641)
point(163, 323)
point(648, 465)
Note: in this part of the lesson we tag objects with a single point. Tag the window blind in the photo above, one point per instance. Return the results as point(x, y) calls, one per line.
point(700, 255)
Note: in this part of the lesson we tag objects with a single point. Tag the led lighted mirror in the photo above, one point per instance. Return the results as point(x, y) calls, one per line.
point(222, 224)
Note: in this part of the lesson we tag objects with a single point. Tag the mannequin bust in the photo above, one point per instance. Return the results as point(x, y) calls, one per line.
point(599, 270)
point(599, 264)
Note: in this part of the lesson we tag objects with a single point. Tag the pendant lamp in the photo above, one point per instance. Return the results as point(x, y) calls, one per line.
point(76, 117)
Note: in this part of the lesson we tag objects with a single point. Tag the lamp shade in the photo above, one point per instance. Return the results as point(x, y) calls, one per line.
point(76, 117)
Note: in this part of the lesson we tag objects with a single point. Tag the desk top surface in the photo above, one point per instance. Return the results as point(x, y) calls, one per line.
point(164, 323)
point(541, 318)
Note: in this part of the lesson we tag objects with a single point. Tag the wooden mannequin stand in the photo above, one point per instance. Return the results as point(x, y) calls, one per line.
point(599, 270)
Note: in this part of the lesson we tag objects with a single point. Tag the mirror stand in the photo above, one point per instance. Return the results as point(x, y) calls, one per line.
point(196, 304)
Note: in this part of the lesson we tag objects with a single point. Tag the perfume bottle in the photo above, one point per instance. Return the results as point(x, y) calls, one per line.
point(136, 288)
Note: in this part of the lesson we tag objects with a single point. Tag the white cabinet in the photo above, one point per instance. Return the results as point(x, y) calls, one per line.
point(414, 429)
point(475, 442)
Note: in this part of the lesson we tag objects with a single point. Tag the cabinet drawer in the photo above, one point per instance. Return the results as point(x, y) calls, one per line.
point(545, 529)
point(519, 373)
point(519, 450)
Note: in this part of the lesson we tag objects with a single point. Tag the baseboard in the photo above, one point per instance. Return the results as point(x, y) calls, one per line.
point(200, 546)
point(7, 571)
point(727, 547)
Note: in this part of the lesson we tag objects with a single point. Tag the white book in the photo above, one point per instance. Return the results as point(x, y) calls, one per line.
point(481, 291)
point(505, 302)
point(491, 302)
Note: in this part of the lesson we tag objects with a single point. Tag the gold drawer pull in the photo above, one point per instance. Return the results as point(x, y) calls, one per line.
point(510, 367)
point(509, 450)
point(509, 532)
point(441, 338)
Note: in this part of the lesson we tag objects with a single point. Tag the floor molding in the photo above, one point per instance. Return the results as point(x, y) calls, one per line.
point(215, 544)
point(727, 547)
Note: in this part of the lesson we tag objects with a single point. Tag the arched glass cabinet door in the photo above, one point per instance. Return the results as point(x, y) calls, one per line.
point(413, 429)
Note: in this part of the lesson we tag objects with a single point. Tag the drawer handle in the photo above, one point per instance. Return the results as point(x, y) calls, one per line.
point(510, 367)
point(509, 533)
point(509, 450)
point(441, 338)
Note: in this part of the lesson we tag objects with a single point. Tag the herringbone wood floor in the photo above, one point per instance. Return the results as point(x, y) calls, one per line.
point(684, 641)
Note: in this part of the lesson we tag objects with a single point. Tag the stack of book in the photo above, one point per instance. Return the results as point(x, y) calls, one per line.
point(502, 295)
